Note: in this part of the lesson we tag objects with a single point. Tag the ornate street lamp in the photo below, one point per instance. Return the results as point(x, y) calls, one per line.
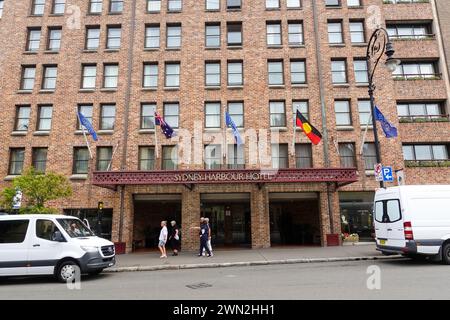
point(379, 44)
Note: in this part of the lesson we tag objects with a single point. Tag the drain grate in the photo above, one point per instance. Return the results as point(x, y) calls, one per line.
point(201, 285)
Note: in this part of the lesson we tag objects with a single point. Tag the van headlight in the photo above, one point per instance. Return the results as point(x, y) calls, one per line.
point(89, 248)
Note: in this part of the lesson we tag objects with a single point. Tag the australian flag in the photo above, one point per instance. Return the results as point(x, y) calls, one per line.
point(85, 123)
point(165, 128)
point(389, 130)
point(230, 124)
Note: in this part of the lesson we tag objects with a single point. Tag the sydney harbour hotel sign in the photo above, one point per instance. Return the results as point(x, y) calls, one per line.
point(224, 177)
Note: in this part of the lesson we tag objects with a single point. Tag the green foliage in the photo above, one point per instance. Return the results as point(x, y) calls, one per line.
point(37, 189)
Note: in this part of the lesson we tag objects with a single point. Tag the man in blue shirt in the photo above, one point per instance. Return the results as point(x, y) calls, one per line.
point(204, 236)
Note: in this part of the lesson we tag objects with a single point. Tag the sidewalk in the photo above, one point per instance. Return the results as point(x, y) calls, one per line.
point(150, 261)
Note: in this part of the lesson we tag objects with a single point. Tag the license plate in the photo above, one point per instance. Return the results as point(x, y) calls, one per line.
point(382, 242)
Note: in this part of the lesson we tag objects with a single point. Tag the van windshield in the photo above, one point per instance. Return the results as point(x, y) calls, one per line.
point(75, 228)
point(388, 211)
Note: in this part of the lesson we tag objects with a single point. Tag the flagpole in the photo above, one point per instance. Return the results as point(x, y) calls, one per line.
point(365, 135)
point(84, 134)
point(112, 156)
point(294, 135)
point(224, 140)
point(156, 141)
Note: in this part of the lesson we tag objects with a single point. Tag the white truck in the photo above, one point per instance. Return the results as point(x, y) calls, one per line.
point(51, 245)
point(413, 221)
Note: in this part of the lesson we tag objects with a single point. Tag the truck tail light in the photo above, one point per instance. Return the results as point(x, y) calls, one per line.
point(408, 231)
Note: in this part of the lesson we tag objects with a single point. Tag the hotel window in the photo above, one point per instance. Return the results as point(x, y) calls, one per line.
point(39, 159)
point(49, 79)
point(343, 114)
point(28, 76)
point(365, 113)
point(234, 30)
point(361, 72)
point(44, 121)
point(335, 32)
point(22, 121)
point(146, 158)
point(370, 156)
point(107, 116)
point(173, 36)
point(38, 7)
point(339, 71)
point(16, 158)
point(34, 39)
point(213, 157)
point(357, 32)
point(273, 33)
point(212, 115)
point(333, 3)
point(295, 33)
point(212, 4)
point(152, 37)
point(280, 158)
point(234, 4)
point(92, 38)
point(54, 39)
point(353, 3)
point(416, 70)
point(148, 115)
point(236, 111)
point(110, 76)
point(153, 5)
point(277, 114)
point(58, 6)
point(212, 35)
point(174, 5)
point(89, 76)
point(169, 158)
point(235, 157)
point(298, 72)
point(1, 7)
point(113, 37)
point(104, 156)
point(275, 71)
point(212, 74)
point(272, 4)
point(115, 6)
point(235, 77)
point(150, 78)
point(421, 110)
point(418, 152)
point(95, 6)
point(347, 155)
point(409, 31)
point(172, 114)
point(80, 160)
point(303, 155)
point(172, 75)
point(302, 107)
point(291, 4)
point(86, 110)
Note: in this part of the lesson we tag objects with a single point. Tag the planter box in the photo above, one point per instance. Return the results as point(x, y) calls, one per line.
point(333, 240)
point(120, 247)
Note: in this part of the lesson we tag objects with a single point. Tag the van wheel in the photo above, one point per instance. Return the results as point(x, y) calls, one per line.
point(67, 271)
point(95, 273)
point(446, 253)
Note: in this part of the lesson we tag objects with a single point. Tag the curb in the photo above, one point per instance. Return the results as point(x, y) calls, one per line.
point(248, 264)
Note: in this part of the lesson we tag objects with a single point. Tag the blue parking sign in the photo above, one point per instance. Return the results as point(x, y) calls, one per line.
point(388, 176)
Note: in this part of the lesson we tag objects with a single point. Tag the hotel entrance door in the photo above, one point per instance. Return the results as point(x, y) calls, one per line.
point(229, 220)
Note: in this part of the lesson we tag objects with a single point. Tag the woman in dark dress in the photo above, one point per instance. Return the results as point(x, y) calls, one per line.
point(175, 238)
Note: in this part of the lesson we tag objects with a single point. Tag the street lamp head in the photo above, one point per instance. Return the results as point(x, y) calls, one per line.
point(391, 63)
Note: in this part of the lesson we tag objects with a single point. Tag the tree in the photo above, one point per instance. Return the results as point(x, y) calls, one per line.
point(37, 189)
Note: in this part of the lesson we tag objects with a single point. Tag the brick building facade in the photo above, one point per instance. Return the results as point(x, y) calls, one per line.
point(119, 61)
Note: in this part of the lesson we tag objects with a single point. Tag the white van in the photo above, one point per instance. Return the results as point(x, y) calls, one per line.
point(413, 221)
point(51, 245)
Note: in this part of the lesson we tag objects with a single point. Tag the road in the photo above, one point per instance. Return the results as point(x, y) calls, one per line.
point(401, 279)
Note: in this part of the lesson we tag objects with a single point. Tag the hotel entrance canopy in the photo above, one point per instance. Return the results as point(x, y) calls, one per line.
point(112, 179)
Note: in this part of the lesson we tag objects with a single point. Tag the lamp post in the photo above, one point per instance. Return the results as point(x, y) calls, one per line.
point(379, 44)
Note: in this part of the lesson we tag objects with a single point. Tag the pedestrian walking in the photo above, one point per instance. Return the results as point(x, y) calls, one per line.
point(204, 232)
point(163, 239)
point(175, 238)
point(209, 237)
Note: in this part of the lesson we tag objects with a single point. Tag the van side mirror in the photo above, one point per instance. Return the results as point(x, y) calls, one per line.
point(58, 237)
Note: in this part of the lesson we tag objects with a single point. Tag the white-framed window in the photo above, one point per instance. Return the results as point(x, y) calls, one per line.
point(110, 76)
point(273, 33)
point(212, 73)
point(235, 73)
point(212, 115)
point(277, 114)
point(172, 75)
point(150, 76)
point(89, 76)
point(335, 32)
point(343, 114)
point(339, 71)
point(173, 33)
point(152, 37)
point(153, 5)
point(280, 158)
point(172, 114)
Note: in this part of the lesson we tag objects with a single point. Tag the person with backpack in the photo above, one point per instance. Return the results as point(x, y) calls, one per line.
point(175, 238)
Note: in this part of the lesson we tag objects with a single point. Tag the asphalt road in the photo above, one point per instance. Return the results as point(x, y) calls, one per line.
point(401, 279)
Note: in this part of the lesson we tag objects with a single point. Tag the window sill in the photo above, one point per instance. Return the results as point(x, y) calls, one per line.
point(363, 128)
point(337, 45)
point(10, 177)
point(293, 46)
point(51, 51)
point(41, 133)
point(86, 90)
point(114, 13)
point(30, 52)
point(152, 49)
point(212, 48)
point(45, 91)
point(174, 49)
point(90, 50)
point(174, 11)
point(299, 85)
point(172, 88)
point(144, 131)
point(19, 133)
point(273, 9)
point(108, 90)
point(78, 177)
point(277, 86)
point(341, 85)
point(24, 91)
point(111, 50)
point(212, 130)
point(370, 173)
point(212, 87)
point(231, 47)
point(105, 132)
point(235, 87)
point(56, 15)
point(362, 84)
point(275, 46)
point(345, 128)
point(359, 44)
point(150, 89)
point(282, 129)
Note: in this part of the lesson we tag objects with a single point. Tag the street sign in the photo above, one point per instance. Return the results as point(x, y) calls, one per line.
point(400, 177)
point(17, 200)
point(388, 175)
point(378, 172)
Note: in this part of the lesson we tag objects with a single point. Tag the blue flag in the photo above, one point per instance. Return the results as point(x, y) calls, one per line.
point(85, 122)
point(165, 127)
point(389, 130)
point(230, 124)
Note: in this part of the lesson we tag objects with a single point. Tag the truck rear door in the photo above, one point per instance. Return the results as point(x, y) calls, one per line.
point(395, 228)
point(380, 223)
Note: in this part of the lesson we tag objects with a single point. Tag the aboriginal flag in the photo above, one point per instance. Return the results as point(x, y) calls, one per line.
point(312, 133)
